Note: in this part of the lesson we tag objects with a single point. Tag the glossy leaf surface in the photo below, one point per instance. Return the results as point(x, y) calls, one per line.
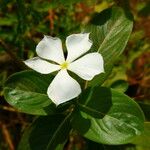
point(109, 31)
point(107, 116)
point(26, 91)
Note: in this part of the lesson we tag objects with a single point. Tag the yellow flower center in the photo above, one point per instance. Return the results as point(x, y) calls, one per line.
point(64, 65)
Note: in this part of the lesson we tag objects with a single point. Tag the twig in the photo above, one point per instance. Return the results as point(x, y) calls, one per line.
point(51, 19)
point(8, 108)
point(7, 137)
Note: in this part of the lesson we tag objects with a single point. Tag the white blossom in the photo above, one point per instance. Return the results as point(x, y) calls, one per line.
point(51, 58)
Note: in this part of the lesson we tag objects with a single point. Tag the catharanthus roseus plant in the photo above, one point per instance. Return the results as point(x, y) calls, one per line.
point(64, 87)
point(100, 114)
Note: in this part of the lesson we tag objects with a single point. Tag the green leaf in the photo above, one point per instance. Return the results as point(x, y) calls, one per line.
point(143, 139)
point(146, 109)
point(46, 133)
point(96, 146)
point(109, 31)
point(120, 85)
point(107, 116)
point(27, 90)
point(118, 73)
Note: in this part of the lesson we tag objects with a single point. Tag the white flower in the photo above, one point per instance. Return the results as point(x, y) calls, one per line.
point(63, 87)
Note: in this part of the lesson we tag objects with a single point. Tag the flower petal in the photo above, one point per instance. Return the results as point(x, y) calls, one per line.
point(41, 66)
point(77, 44)
point(88, 66)
point(63, 88)
point(50, 48)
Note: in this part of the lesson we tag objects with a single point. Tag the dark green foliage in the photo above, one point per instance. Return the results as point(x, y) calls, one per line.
point(104, 117)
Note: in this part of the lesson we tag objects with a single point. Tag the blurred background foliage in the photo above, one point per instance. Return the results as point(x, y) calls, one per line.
point(22, 26)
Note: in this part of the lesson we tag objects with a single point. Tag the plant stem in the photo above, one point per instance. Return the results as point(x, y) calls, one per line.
point(86, 85)
point(7, 137)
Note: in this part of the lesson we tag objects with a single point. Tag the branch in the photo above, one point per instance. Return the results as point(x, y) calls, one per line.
point(7, 137)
